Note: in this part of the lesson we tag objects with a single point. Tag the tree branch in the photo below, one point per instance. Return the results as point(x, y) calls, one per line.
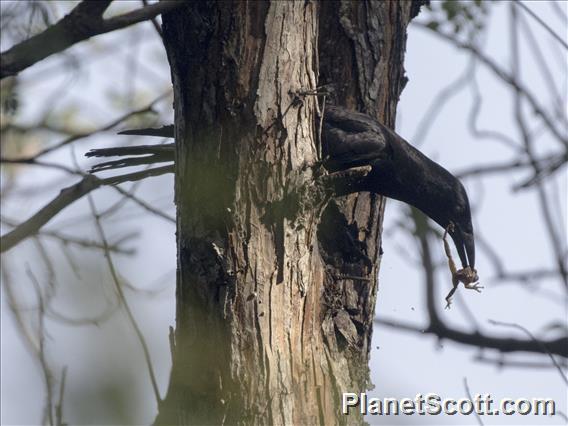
point(506, 77)
point(68, 196)
point(73, 138)
point(534, 339)
point(475, 337)
point(547, 166)
point(542, 23)
point(81, 242)
point(83, 22)
point(124, 301)
point(502, 344)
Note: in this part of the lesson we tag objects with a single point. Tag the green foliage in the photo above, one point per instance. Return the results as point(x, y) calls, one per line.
point(458, 16)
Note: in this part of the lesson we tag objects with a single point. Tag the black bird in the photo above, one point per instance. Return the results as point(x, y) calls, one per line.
point(353, 139)
point(399, 171)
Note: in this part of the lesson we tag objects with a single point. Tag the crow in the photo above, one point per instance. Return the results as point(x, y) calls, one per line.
point(350, 139)
point(399, 171)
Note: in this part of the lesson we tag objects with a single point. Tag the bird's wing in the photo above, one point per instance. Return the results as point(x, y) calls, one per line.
point(351, 139)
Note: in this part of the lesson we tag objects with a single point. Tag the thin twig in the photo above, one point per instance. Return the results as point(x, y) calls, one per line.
point(528, 144)
point(443, 96)
point(34, 162)
point(69, 195)
point(473, 117)
point(33, 159)
point(468, 392)
point(47, 375)
point(557, 346)
point(501, 362)
point(542, 23)
point(154, 22)
point(506, 77)
point(547, 75)
point(143, 204)
point(551, 163)
point(83, 22)
point(59, 406)
point(123, 299)
point(536, 341)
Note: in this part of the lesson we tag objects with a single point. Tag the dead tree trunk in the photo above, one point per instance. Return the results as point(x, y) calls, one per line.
point(275, 295)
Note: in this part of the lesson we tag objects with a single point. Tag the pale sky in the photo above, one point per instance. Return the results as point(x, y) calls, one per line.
point(102, 358)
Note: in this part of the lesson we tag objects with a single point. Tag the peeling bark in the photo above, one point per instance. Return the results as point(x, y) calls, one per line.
point(275, 295)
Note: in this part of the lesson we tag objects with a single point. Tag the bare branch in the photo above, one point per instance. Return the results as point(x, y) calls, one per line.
point(527, 276)
point(502, 344)
point(81, 242)
point(547, 166)
point(557, 245)
point(534, 339)
point(468, 392)
point(547, 75)
point(142, 175)
point(438, 103)
point(554, 165)
point(542, 23)
point(502, 362)
point(473, 116)
point(33, 159)
point(506, 77)
point(34, 162)
point(124, 301)
point(83, 22)
point(438, 328)
point(559, 12)
point(68, 196)
point(154, 22)
point(59, 405)
point(345, 181)
point(90, 244)
point(46, 370)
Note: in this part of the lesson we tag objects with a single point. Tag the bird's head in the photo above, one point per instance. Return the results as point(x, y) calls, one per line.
point(449, 207)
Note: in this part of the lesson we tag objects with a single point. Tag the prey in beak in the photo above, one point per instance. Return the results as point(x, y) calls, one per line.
point(465, 244)
point(466, 251)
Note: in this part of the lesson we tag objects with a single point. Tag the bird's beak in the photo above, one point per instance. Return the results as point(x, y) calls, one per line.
point(469, 244)
point(465, 246)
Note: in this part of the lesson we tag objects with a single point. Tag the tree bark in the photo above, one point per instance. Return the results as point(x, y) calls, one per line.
point(276, 286)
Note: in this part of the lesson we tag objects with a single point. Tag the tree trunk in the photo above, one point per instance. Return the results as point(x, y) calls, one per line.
point(276, 288)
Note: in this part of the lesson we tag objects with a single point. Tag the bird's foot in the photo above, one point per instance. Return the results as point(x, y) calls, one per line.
point(448, 302)
point(317, 167)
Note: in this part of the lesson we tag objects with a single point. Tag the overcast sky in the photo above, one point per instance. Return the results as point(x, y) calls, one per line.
point(104, 360)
